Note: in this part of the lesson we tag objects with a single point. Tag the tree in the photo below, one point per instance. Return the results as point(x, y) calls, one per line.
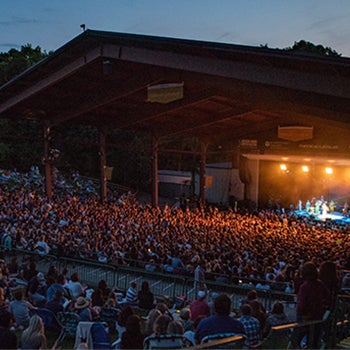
point(307, 46)
point(23, 147)
point(15, 62)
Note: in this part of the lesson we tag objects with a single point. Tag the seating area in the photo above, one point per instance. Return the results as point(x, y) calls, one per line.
point(67, 329)
point(79, 279)
point(68, 322)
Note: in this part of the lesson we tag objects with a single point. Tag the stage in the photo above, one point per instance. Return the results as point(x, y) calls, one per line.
point(336, 217)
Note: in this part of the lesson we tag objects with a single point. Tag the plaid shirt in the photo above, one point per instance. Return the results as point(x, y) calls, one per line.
point(252, 329)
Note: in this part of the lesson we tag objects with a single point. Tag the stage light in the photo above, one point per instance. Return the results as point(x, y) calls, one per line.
point(305, 169)
point(329, 171)
point(283, 167)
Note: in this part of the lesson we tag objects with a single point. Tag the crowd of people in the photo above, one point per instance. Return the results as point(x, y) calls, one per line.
point(265, 245)
point(197, 320)
point(268, 247)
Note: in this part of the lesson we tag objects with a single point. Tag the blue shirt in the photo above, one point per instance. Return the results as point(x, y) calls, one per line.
point(51, 291)
point(218, 324)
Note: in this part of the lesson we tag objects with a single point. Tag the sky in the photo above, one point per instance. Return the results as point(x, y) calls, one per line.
point(278, 23)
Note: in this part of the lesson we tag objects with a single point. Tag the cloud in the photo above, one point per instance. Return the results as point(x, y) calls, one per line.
point(10, 45)
point(19, 20)
point(225, 35)
point(330, 21)
point(333, 32)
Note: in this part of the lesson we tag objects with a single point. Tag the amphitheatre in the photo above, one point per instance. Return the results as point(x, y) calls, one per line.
point(268, 107)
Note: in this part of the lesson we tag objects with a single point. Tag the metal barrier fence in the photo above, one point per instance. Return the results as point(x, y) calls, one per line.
point(164, 286)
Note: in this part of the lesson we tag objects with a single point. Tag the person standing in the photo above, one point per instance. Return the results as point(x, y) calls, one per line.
point(145, 297)
point(199, 277)
point(313, 300)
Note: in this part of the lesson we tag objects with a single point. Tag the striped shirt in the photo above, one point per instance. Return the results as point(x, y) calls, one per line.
point(131, 295)
point(252, 329)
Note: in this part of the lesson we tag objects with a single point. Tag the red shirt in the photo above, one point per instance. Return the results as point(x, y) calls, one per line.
point(313, 300)
point(199, 307)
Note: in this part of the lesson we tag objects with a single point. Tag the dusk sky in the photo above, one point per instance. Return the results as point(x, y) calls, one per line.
point(277, 23)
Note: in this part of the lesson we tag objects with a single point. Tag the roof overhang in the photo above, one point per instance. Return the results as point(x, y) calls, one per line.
point(230, 92)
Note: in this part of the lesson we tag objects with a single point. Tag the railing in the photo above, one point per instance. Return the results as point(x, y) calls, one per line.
point(339, 324)
point(289, 336)
point(163, 285)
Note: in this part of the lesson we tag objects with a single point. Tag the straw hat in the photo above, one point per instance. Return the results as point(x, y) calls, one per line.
point(81, 303)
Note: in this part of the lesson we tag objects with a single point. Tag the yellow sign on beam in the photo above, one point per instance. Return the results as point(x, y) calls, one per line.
point(165, 93)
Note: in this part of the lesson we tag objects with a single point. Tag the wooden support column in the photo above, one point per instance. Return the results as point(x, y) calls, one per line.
point(47, 162)
point(155, 194)
point(202, 166)
point(103, 174)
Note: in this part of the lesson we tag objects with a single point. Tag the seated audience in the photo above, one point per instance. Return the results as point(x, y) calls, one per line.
point(132, 338)
point(101, 294)
point(251, 325)
point(122, 319)
point(221, 322)
point(82, 308)
point(20, 309)
point(152, 316)
point(34, 336)
point(175, 328)
point(4, 302)
point(184, 318)
point(161, 324)
point(131, 294)
point(56, 303)
point(276, 317)
point(75, 287)
point(36, 289)
point(199, 306)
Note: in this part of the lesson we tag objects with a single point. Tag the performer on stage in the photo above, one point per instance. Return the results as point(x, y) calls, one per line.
point(317, 207)
point(325, 208)
point(307, 206)
point(346, 208)
point(300, 205)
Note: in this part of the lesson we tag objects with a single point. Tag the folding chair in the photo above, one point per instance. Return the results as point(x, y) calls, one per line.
point(69, 322)
point(234, 344)
point(94, 334)
point(100, 336)
point(167, 341)
point(109, 315)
